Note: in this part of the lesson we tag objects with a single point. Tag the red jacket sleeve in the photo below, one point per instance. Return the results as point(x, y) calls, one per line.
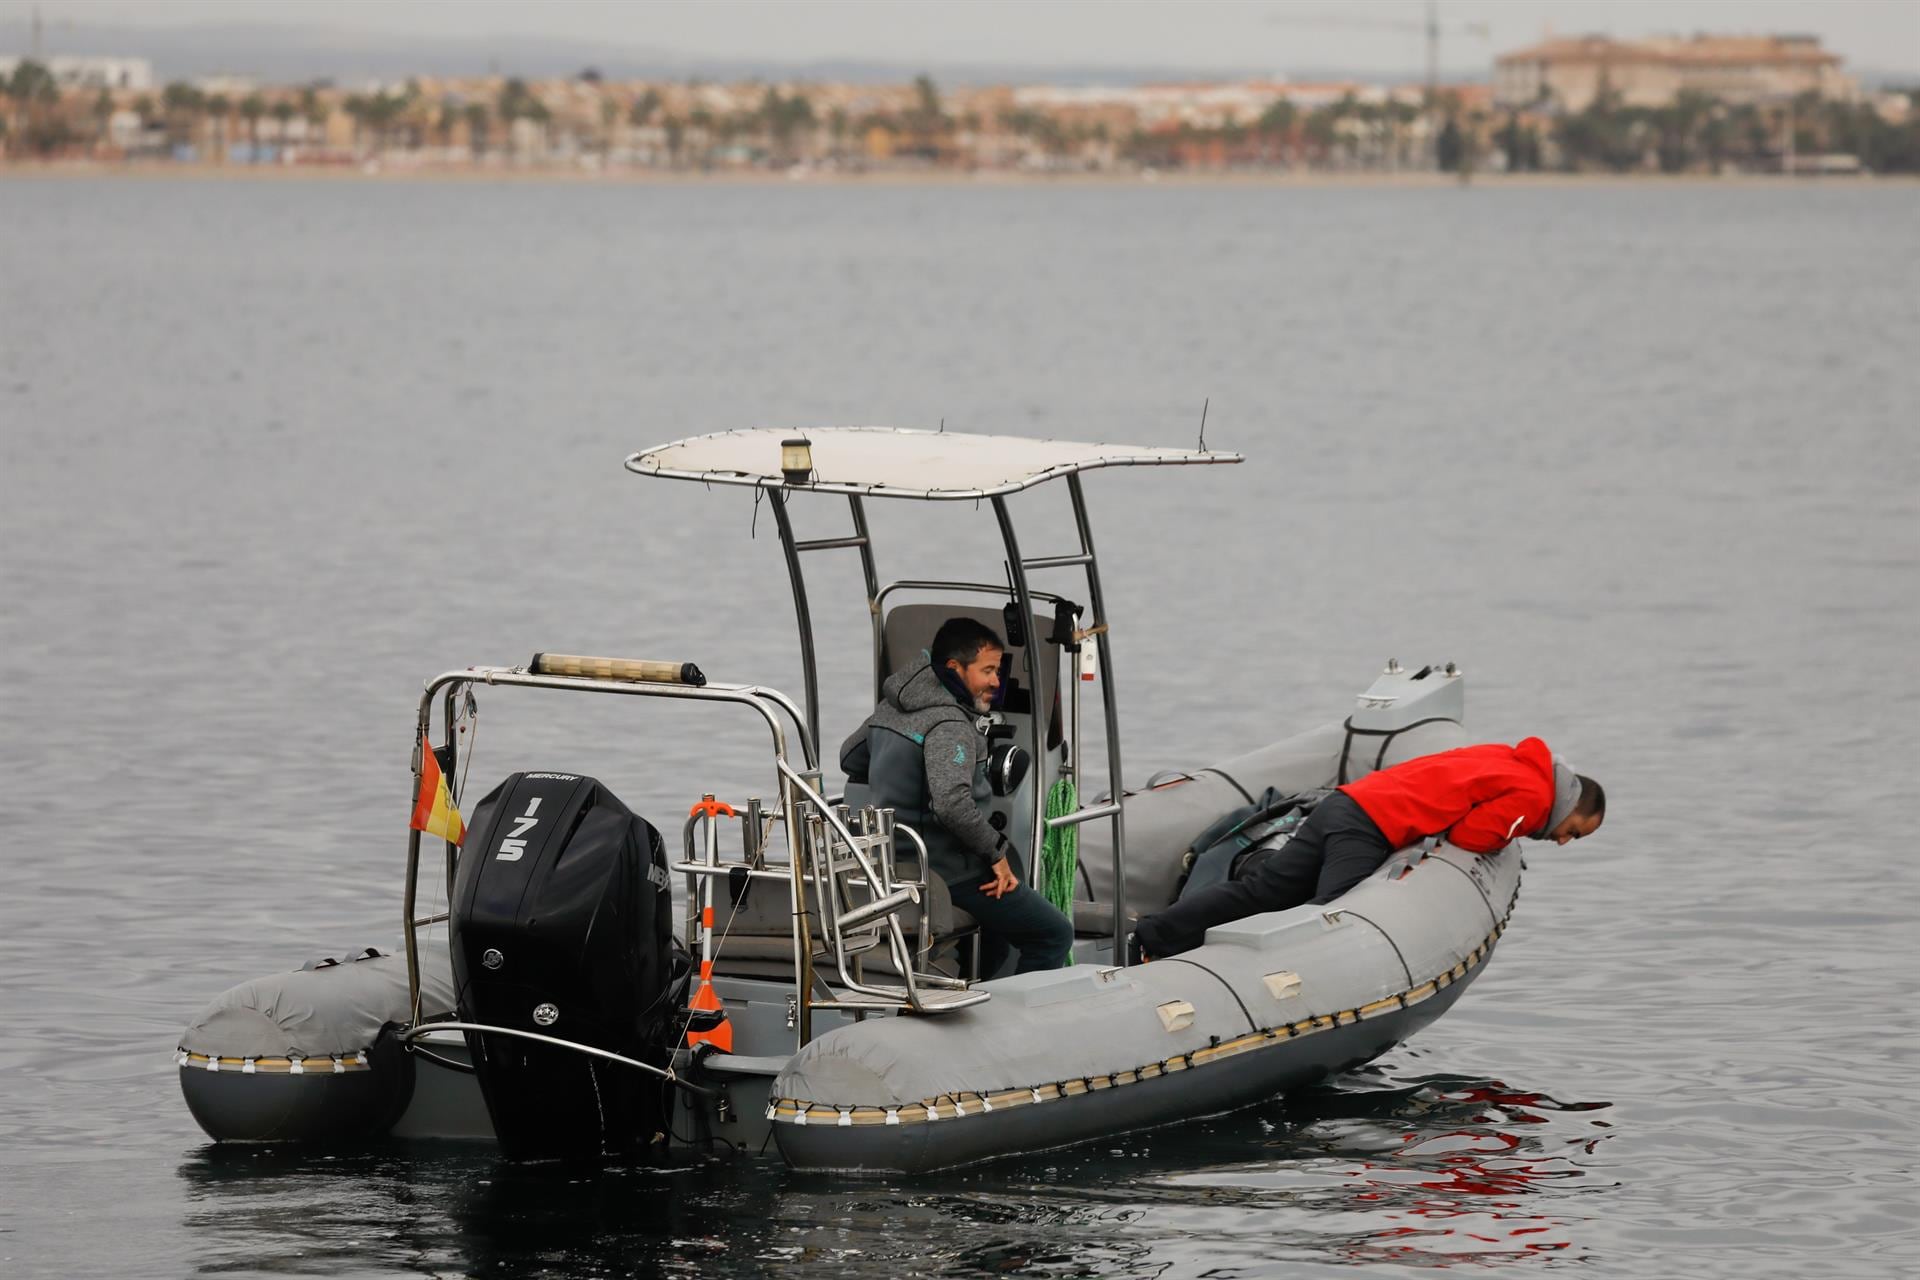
point(1490, 825)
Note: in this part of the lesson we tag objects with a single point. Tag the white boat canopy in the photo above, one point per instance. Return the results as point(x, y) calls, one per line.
point(895, 462)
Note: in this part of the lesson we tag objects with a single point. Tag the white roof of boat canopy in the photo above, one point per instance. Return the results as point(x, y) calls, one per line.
point(895, 462)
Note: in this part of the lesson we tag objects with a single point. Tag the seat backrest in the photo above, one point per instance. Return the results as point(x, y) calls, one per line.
point(908, 632)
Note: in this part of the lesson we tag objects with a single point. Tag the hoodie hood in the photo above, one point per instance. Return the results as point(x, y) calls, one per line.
point(1566, 794)
point(918, 688)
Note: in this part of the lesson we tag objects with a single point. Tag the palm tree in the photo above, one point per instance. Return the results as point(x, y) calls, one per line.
point(1450, 148)
point(384, 110)
point(102, 117)
point(1679, 126)
point(283, 114)
point(1400, 117)
point(181, 103)
point(701, 119)
point(218, 110)
point(252, 108)
point(782, 117)
point(1275, 125)
point(1320, 129)
point(1233, 136)
point(924, 118)
point(32, 82)
point(478, 119)
point(837, 125)
point(35, 90)
point(1369, 143)
point(1346, 109)
point(518, 103)
point(315, 111)
point(448, 121)
point(676, 135)
point(356, 108)
point(609, 116)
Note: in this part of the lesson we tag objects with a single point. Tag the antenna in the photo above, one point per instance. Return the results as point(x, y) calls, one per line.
point(1203, 423)
point(943, 426)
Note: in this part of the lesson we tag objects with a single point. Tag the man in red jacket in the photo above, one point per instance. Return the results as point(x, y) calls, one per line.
point(1479, 798)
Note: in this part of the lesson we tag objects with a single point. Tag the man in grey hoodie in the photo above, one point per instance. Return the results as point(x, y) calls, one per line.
point(926, 749)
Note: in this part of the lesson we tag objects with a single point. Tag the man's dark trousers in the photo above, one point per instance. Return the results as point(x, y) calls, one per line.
point(1336, 848)
point(1022, 919)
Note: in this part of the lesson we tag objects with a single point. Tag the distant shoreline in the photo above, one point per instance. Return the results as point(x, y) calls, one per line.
point(147, 171)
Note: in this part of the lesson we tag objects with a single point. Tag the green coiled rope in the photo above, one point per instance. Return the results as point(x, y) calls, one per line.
point(1060, 849)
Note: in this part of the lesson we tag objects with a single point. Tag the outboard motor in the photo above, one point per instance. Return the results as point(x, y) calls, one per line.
point(561, 925)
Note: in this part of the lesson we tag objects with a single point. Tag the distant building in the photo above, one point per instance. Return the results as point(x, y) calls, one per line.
point(1202, 105)
point(227, 86)
point(1571, 72)
point(132, 74)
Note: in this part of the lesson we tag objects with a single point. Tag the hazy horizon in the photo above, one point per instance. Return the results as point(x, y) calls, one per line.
point(1382, 37)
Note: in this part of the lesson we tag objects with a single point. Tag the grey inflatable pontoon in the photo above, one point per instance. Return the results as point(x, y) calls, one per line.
point(817, 995)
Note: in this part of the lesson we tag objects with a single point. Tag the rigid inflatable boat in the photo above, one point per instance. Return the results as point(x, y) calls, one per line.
point(811, 987)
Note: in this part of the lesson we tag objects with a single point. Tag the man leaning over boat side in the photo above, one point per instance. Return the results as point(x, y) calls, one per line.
point(1479, 798)
point(926, 760)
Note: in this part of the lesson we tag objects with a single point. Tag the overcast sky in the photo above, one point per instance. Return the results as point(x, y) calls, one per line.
point(1377, 34)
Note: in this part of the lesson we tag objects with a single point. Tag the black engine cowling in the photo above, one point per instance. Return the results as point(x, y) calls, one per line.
point(561, 925)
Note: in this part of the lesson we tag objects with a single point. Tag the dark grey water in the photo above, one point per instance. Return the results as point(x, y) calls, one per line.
point(1642, 459)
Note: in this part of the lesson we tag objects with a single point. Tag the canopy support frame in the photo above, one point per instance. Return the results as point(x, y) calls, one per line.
point(1096, 632)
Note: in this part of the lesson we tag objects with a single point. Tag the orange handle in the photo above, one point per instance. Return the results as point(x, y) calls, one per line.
point(712, 808)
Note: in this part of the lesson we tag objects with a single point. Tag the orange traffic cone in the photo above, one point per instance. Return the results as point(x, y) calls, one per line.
point(706, 1000)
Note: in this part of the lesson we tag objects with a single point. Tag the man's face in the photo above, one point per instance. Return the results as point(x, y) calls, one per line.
point(1574, 827)
point(981, 676)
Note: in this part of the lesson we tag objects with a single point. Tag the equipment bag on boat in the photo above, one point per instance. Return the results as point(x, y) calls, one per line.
point(1238, 841)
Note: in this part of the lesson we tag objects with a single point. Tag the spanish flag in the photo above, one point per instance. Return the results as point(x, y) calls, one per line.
point(433, 810)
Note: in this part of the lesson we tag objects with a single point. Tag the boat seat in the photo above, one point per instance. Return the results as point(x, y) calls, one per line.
point(754, 939)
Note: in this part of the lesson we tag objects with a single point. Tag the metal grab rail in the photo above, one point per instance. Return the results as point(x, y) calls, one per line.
point(414, 1033)
point(977, 588)
point(925, 930)
point(880, 884)
point(757, 697)
point(1079, 816)
point(1097, 631)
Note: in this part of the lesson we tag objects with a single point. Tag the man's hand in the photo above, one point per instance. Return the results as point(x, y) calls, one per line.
point(1003, 882)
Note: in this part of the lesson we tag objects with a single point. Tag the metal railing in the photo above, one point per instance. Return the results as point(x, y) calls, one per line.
point(770, 704)
point(849, 880)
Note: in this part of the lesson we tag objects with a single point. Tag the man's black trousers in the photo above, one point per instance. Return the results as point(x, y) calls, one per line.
point(1336, 848)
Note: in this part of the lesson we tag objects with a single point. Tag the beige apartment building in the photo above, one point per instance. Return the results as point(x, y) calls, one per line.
point(1570, 72)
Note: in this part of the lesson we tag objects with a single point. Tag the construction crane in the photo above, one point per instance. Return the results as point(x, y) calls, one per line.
point(1432, 27)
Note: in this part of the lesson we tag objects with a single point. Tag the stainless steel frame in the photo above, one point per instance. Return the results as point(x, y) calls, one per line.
point(821, 846)
point(810, 672)
point(1097, 631)
point(763, 700)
